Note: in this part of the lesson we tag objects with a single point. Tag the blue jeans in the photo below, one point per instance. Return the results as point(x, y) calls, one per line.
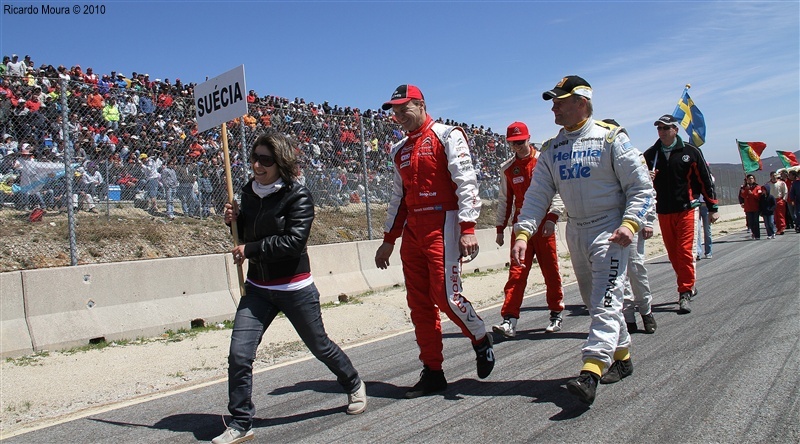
point(704, 238)
point(769, 224)
point(254, 315)
point(189, 204)
point(170, 192)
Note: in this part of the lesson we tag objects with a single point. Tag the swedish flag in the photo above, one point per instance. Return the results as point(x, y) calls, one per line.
point(691, 118)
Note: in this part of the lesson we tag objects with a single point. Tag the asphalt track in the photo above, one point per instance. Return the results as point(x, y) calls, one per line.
point(728, 372)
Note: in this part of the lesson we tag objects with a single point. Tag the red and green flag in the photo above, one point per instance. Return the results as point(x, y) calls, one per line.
point(750, 152)
point(787, 158)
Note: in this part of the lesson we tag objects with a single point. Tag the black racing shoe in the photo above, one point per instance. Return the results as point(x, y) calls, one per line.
point(649, 322)
point(683, 302)
point(430, 381)
point(632, 328)
point(484, 356)
point(584, 387)
point(618, 371)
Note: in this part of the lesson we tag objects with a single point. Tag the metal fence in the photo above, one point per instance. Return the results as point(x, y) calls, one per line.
point(101, 148)
point(104, 147)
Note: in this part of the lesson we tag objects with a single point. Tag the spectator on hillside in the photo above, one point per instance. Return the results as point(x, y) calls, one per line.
point(111, 114)
point(105, 84)
point(90, 182)
point(16, 67)
point(4, 66)
point(187, 174)
point(9, 145)
point(206, 191)
point(129, 109)
point(96, 103)
point(169, 180)
point(164, 103)
point(90, 77)
point(217, 177)
point(151, 167)
point(127, 181)
point(121, 82)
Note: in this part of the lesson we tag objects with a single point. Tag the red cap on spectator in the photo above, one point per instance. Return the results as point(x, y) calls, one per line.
point(517, 131)
point(403, 94)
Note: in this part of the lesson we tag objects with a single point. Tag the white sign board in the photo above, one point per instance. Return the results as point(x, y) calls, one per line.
point(220, 99)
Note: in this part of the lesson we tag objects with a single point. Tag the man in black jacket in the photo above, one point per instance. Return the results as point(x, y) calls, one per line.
point(680, 175)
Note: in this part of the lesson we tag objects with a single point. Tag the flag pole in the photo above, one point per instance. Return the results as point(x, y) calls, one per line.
point(229, 184)
point(744, 170)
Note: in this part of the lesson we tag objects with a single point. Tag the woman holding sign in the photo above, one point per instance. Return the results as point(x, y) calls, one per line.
point(274, 222)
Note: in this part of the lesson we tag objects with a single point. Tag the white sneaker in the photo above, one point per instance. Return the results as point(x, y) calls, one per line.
point(233, 436)
point(708, 256)
point(507, 328)
point(357, 401)
point(555, 323)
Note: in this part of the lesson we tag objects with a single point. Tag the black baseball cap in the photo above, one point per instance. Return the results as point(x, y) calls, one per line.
point(568, 86)
point(666, 119)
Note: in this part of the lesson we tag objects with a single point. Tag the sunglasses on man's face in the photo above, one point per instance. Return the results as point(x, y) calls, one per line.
point(263, 159)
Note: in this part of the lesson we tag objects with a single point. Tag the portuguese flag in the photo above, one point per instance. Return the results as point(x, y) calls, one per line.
point(750, 152)
point(787, 158)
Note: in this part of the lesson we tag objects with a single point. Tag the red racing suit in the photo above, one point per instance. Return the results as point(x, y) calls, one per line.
point(515, 178)
point(434, 201)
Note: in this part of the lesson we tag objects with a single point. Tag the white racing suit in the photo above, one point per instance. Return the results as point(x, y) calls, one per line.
point(637, 287)
point(604, 184)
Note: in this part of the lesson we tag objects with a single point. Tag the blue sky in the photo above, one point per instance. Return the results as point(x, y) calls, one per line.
point(477, 62)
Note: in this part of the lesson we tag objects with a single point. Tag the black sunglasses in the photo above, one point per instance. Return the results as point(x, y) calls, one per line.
point(263, 159)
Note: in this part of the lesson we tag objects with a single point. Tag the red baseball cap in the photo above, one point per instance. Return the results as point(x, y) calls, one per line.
point(517, 131)
point(403, 94)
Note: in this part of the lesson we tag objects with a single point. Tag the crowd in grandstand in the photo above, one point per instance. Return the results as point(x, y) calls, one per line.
point(123, 129)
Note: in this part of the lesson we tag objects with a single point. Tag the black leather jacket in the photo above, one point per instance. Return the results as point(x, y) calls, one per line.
point(681, 179)
point(275, 231)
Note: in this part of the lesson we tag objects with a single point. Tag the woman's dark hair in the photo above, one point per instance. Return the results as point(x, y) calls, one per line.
point(283, 151)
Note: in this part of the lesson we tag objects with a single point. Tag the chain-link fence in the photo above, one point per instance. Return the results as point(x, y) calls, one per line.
point(129, 151)
point(133, 155)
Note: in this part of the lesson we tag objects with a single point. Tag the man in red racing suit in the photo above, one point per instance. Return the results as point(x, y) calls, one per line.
point(434, 205)
point(515, 178)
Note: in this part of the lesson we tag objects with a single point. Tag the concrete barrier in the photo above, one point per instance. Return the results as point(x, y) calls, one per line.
point(491, 255)
point(375, 278)
point(337, 269)
point(72, 306)
point(66, 307)
point(14, 335)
